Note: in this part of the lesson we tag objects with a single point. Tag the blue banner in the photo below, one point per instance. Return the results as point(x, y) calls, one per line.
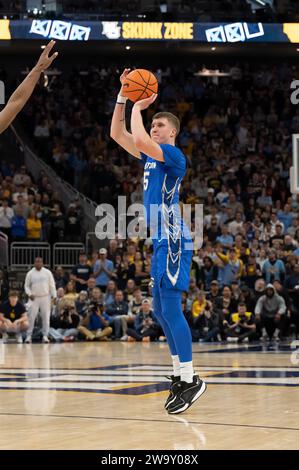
point(149, 31)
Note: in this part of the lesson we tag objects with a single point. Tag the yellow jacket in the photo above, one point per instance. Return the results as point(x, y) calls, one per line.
point(198, 308)
point(34, 228)
point(236, 317)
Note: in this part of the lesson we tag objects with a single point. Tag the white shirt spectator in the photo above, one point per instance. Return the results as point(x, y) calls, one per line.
point(21, 179)
point(6, 214)
point(40, 283)
point(207, 220)
point(234, 227)
point(273, 224)
point(261, 261)
point(15, 196)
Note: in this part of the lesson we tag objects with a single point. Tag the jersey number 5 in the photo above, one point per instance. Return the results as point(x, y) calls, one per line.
point(145, 180)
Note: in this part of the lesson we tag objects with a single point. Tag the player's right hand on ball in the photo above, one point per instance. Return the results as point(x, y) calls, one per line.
point(124, 75)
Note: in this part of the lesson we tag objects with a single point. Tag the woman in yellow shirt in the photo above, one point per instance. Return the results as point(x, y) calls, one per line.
point(34, 227)
point(69, 296)
point(199, 304)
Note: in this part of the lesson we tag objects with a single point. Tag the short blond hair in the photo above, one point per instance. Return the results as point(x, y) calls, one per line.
point(174, 120)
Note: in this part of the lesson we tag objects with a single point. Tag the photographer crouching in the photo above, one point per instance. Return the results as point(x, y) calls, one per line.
point(95, 323)
point(64, 325)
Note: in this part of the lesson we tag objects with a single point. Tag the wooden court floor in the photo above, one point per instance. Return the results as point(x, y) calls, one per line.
point(111, 396)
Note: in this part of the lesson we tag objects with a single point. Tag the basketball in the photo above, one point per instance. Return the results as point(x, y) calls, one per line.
point(139, 84)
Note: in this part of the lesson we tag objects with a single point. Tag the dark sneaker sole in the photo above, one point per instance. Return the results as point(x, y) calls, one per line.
point(171, 399)
point(183, 408)
point(169, 402)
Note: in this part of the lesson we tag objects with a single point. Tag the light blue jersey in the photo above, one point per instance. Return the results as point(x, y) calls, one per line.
point(171, 238)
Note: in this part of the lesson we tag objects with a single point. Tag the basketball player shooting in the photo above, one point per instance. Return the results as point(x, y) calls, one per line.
point(164, 168)
point(22, 94)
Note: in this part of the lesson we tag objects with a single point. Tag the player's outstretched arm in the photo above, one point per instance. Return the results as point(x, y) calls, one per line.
point(142, 140)
point(118, 131)
point(21, 95)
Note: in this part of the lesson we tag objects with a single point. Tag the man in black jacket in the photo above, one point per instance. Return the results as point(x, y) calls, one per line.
point(13, 317)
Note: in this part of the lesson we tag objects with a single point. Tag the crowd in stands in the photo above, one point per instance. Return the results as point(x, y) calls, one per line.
point(108, 296)
point(32, 211)
point(237, 134)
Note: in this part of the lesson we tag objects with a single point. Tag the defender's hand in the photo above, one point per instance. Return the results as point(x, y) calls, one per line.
point(45, 60)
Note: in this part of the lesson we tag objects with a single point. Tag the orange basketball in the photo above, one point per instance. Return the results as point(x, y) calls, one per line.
point(139, 84)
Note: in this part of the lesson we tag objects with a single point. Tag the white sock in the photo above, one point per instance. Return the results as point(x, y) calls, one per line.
point(176, 366)
point(187, 371)
point(276, 333)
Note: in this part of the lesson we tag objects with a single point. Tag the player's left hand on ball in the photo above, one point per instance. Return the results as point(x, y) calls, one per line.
point(143, 104)
point(45, 60)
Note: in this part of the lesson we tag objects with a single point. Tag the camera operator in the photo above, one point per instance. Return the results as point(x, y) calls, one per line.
point(95, 322)
point(146, 327)
point(66, 324)
point(207, 323)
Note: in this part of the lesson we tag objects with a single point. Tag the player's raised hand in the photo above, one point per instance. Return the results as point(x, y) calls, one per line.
point(45, 59)
point(143, 104)
point(123, 78)
point(124, 75)
point(21, 95)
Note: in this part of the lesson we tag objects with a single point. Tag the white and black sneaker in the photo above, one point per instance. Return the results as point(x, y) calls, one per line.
point(5, 337)
point(186, 394)
point(19, 338)
point(171, 396)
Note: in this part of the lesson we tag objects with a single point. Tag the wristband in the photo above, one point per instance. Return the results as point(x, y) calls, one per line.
point(121, 99)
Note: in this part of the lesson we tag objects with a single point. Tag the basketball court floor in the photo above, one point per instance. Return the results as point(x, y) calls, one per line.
point(111, 396)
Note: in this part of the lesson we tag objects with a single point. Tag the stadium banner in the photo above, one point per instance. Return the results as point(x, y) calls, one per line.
point(148, 31)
